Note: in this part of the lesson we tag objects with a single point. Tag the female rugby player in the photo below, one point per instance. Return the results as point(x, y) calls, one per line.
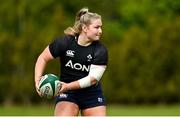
point(83, 60)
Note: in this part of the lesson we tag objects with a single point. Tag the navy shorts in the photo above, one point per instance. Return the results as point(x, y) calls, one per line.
point(83, 99)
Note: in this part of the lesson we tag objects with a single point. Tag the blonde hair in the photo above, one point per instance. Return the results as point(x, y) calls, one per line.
point(83, 17)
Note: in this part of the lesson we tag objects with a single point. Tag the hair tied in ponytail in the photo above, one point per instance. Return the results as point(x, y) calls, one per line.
point(82, 12)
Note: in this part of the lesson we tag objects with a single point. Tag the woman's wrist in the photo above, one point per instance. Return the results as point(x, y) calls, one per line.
point(37, 78)
point(73, 85)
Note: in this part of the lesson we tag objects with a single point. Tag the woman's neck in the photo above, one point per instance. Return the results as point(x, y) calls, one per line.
point(83, 40)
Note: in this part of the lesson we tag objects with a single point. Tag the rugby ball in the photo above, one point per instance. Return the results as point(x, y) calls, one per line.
point(49, 85)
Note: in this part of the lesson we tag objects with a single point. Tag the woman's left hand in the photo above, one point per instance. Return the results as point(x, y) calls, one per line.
point(64, 87)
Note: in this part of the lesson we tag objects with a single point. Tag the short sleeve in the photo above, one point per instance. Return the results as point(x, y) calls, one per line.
point(58, 46)
point(100, 55)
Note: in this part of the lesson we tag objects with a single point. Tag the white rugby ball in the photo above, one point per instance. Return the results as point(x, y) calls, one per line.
point(49, 85)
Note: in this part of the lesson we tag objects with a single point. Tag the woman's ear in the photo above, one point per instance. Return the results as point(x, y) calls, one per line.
point(84, 28)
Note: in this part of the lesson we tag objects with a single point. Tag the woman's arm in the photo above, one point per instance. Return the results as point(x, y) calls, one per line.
point(95, 74)
point(40, 65)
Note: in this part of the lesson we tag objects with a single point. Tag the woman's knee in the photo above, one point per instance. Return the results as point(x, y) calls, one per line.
point(66, 109)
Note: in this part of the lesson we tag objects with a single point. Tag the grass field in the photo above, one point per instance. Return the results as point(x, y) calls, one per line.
point(112, 110)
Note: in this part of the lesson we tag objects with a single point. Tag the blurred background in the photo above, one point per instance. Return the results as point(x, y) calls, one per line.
point(142, 37)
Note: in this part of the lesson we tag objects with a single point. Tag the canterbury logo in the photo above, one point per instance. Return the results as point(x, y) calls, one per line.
point(70, 53)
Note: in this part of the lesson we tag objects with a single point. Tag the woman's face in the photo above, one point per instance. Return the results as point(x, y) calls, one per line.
point(94, 31)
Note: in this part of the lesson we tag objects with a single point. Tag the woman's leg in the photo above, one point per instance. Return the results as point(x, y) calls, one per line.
point(65, 108)
point(94, 111)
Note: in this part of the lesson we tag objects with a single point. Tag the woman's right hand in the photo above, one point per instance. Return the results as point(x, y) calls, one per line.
point(37, 86)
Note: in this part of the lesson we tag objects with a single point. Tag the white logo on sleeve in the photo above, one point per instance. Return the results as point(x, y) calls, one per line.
point(70, 53)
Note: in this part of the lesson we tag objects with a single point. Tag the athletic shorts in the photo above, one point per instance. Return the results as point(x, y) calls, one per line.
point(83, 99)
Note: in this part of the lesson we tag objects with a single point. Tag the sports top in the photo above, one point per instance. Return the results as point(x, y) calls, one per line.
point(76, 59)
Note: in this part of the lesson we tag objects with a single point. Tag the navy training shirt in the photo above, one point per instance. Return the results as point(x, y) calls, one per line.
point(75, 59)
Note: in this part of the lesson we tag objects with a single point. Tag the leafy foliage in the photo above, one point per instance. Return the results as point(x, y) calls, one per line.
point(142, 37)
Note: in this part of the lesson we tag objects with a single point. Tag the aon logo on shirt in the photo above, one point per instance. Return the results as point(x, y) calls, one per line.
point(77, 66)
